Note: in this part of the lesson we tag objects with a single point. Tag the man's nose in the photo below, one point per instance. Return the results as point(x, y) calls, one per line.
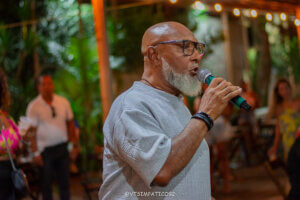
point(196, 56)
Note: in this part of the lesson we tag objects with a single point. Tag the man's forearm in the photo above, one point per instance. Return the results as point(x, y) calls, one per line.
point(31, 136)
point(183, 149)
point(71, 132)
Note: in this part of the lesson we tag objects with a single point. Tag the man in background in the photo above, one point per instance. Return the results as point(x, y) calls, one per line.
point(54, 128)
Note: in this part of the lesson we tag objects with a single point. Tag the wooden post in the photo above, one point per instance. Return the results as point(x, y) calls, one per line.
point(228, 57)
point(234, 48)
point(102, 46)
point(298, 27)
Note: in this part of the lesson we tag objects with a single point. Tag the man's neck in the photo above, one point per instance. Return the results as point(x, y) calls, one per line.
point(48, 99)
point(160, 85)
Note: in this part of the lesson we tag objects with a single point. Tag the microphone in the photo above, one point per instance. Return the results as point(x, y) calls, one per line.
point(205, 76)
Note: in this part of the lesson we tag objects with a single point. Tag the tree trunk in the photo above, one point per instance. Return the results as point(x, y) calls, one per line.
point(36, 57)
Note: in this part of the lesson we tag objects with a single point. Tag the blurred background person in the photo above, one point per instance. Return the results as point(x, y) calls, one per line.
point(293, 166)
point(77, 150)
point(286, 109)
point(218, 140)
point(10, 132)
point(53, 127)
point(250, 96)
point(220, 136)
point(247, 123)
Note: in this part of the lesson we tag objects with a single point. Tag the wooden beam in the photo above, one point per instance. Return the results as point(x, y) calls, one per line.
point(102, 46)
point(288, 7)
point(298, 27)
point(133, 4)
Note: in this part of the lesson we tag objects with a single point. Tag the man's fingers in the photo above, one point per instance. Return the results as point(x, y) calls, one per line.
point(215, 82)
point(237, 91)
point(225, 91)
point(222, 85)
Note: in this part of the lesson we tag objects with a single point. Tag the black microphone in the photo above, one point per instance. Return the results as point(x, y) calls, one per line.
point(205, 76)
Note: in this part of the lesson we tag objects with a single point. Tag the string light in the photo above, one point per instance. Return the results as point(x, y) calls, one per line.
point(253, 13)
point(236, 12)
point(199, 5)
point(173, 1)
point(283, 16)
point(218, 7)
point(269, 17)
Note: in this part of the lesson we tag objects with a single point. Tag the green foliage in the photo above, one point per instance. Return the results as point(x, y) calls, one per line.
point(80, 83)
point(284, 52)
point(69, 56)
point(253, 63)
point(206, 28)
point(18, 45)
point(125, 31)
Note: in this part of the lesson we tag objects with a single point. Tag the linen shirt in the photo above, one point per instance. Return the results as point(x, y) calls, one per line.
point(50, 130)
point(138, 132)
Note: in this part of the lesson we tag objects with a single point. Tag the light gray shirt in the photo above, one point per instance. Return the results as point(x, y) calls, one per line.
point(138, 132)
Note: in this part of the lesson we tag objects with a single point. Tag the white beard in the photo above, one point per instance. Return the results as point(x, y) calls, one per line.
point(185, 83)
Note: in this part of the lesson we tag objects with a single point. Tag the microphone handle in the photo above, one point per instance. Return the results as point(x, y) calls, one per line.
point(239, 101)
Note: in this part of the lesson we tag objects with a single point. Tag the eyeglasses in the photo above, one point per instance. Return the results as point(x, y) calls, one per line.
point(53, 112)
point(188, 46)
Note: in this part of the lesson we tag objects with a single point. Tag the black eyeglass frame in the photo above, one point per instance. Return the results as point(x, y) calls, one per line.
point(184, 45)
point(53, 111)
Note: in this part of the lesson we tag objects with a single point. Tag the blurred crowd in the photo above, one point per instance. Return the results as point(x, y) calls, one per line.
point(45, 143)
point(242, 139)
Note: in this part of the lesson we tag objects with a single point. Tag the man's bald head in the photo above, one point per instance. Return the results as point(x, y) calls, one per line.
point(163, 32)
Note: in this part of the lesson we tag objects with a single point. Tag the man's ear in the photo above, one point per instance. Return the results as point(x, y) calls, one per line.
point(152, 55)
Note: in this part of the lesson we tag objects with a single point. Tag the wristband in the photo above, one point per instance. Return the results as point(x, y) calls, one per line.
point(204, 117)
point(70, 146)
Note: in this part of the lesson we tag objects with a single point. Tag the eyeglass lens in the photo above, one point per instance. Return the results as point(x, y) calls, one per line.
point(188, 48)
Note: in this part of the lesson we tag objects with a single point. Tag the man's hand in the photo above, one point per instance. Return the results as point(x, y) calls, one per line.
point(74, 153)
point(38, 160)
point(217, 96)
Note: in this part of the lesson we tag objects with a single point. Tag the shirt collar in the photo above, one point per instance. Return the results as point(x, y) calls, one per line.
point(43, 100)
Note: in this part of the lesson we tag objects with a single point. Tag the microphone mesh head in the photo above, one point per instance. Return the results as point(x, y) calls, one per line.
point(202, 74)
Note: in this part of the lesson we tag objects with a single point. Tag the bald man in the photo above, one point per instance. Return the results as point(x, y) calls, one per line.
point(154, 148)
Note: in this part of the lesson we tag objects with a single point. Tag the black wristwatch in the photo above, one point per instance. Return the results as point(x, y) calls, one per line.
point(204, 117)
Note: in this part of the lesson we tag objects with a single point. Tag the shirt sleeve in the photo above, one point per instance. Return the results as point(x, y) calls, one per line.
point(32, 115)
point(69, 111)
point(141, 143)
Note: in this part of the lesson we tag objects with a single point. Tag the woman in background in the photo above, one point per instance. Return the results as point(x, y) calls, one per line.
point(10, 132)
point(286, 109)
